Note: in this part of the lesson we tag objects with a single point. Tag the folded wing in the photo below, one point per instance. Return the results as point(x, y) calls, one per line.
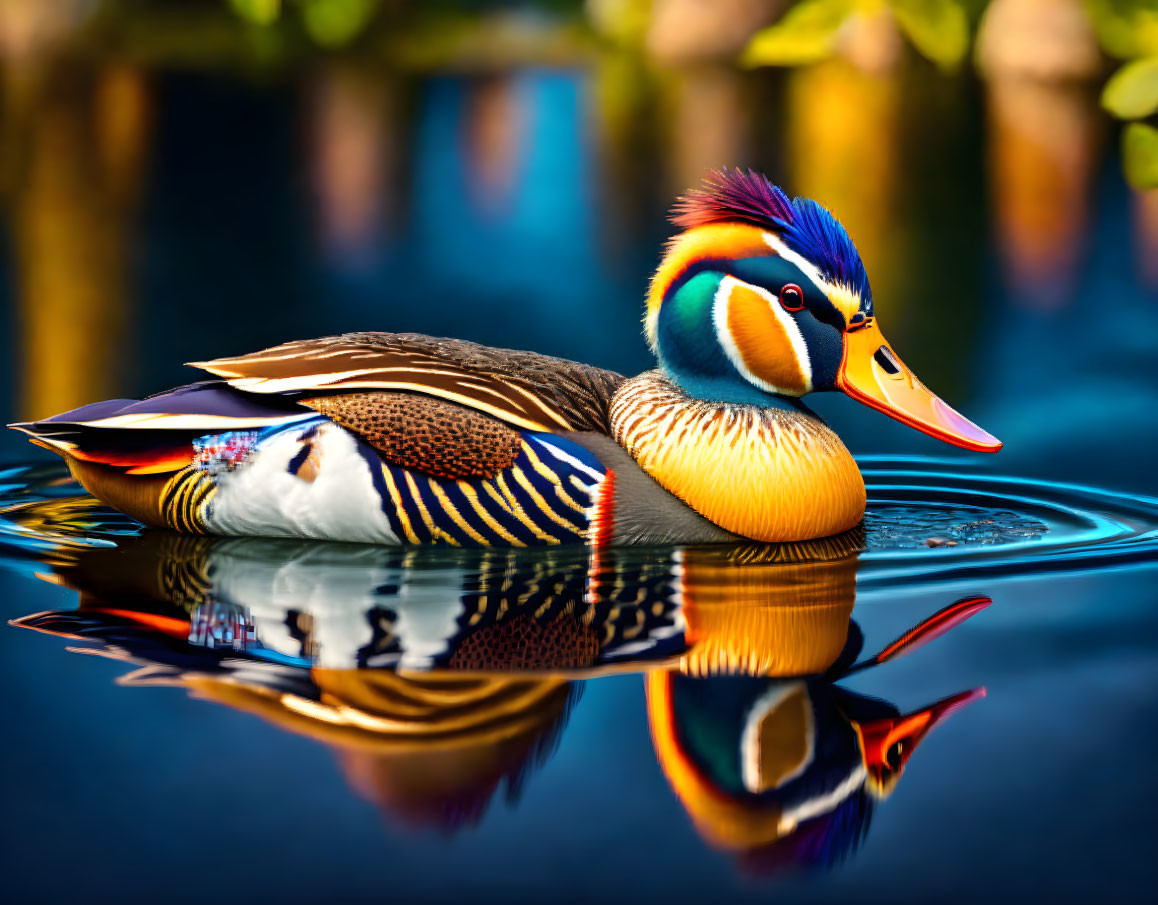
point(523, 389)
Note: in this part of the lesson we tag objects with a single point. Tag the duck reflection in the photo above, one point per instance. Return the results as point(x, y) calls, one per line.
point(440, 678)
point(782, 769)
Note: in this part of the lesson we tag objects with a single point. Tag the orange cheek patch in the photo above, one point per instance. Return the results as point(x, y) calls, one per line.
point(762, 341)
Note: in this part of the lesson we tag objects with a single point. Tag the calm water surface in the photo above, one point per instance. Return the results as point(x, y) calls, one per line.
point(870, 720)
point(820, 718)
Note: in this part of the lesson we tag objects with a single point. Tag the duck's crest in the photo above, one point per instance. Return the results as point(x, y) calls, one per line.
point(804, 226)
point(734, 195)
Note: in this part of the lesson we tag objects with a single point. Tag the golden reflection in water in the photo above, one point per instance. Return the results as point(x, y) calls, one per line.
point(71, 214)
point(1039, 58)
point(844, 150)
point(710, 123)
point(353, 134)
point(771, 619)
point(1043, 139)
point(494, 138)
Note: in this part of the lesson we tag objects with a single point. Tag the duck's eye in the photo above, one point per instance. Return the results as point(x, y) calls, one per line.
point(791, 298)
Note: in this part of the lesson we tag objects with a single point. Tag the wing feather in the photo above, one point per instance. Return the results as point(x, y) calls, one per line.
point(524, 389)
point(155, 435)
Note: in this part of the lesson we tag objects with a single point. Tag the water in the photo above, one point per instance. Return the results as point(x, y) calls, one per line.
point(691, 719)
point(268, 720)
point(990, 523)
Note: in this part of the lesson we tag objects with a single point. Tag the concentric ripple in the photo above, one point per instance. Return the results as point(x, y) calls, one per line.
point(928, 520)
point(932, 518)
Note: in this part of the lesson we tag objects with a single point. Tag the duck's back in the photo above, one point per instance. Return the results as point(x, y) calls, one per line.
point(523, 389)
point(375, 437)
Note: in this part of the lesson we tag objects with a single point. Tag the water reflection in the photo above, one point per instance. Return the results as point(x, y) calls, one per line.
point(1041, 61)
point(440, 678)
point(71, 215)
point(352, 128)
point(783, 773)
point(831, 107)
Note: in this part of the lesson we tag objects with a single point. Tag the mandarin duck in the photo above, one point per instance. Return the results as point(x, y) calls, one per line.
point(406, 439)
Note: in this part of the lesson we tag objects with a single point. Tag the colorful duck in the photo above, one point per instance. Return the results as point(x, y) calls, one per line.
point(405, 439)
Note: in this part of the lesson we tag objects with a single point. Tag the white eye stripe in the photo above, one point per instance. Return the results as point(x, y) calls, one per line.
point(732, 349)
point(802, 263)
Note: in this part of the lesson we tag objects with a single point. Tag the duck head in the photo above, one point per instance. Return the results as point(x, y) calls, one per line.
point(763, 298)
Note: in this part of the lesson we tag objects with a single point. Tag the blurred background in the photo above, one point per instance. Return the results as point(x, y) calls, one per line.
point(184, 179)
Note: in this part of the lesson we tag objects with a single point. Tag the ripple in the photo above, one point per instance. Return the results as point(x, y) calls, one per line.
point(999, 524)
point(928, 520)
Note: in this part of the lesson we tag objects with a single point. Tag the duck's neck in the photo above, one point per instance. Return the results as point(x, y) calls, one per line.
point(771, 472)
point(727, 390)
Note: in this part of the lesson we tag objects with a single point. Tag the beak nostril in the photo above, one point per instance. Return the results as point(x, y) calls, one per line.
point(884, 357)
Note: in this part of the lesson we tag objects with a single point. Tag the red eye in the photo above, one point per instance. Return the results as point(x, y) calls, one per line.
point(791, 297)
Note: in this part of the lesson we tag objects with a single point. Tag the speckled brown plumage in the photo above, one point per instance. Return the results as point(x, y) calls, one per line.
point(521, 642)
point(423, 433)
point(526, 389)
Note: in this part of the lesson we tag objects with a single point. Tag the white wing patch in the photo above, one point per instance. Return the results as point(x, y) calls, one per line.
point(262, 498)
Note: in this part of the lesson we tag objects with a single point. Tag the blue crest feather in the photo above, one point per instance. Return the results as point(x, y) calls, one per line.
point(805, 226)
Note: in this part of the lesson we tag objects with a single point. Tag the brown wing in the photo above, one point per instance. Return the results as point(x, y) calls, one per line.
point(431, 435)
point(525, 389)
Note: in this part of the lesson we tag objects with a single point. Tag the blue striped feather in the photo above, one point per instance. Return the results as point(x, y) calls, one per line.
point(544, 497)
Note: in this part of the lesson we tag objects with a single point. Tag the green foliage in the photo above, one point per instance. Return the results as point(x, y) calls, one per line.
point(329, 23)
point(622, 21)
point(332, 23)
point(257, 12)
point(938, 29)
point(1125, 28)
point(805, 34)
point(1128, 29)
point(1132, 91)
point(1140, 155)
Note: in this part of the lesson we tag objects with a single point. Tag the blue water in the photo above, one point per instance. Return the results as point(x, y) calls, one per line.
point(207, 721)
point(530, 763)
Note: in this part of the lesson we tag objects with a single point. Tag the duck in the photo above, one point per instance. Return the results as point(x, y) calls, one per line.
point(405, 439)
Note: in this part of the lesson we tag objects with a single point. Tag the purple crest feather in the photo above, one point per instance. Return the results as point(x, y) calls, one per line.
point(804, 226)
point(733, 195)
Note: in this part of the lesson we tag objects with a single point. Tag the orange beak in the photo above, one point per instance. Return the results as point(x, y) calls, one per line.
point(887, 744)
point(870, 372)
